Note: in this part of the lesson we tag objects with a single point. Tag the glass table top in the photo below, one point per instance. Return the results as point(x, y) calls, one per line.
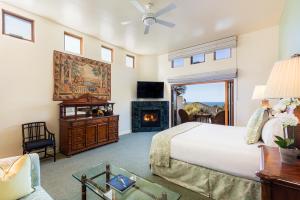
point(95, 179)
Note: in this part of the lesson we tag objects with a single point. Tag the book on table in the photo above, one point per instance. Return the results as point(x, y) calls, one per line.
point(120, 183)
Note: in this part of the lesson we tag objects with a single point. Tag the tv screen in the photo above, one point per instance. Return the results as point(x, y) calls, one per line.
point(150, 89)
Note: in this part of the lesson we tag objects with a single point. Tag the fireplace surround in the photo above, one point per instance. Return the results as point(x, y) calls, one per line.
point(149, 116)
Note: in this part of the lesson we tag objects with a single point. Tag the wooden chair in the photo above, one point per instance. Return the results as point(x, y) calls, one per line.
point(36, 136)
point(184, 116)
point(219, 118)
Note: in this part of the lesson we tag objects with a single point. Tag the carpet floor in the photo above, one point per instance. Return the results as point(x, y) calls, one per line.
point(131, 153)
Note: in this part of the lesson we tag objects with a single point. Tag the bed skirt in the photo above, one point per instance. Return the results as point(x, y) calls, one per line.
point(208, 182)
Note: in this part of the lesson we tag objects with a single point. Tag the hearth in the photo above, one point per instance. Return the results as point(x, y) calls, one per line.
point(150, 116)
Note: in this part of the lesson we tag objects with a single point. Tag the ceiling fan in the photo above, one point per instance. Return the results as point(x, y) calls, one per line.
point(149, 17)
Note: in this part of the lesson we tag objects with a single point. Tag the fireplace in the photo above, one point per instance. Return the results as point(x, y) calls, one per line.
point(150, 116)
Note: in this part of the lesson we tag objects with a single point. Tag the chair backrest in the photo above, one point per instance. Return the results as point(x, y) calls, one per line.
point(219, 118)
point(34, 131)
point(183, 116)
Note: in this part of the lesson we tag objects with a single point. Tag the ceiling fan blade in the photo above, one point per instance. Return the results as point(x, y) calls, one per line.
point(147, 28)
point(138, 6)
point(165, 10)
point(165, 23)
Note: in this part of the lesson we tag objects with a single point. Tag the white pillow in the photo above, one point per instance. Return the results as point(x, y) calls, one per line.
point(15, 181)
point(255, 125)
point(271, 129)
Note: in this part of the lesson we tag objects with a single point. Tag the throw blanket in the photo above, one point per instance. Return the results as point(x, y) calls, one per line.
point(161, 143)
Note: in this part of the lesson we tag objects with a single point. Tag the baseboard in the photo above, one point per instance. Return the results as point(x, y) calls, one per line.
point(125, 132)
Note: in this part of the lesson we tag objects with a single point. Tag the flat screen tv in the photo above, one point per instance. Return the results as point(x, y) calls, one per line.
point(150, 89)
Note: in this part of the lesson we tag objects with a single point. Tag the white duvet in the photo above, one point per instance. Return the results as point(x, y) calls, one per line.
point(222, 148)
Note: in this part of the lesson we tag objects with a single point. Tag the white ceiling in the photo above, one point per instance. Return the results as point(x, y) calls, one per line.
point(197, 21)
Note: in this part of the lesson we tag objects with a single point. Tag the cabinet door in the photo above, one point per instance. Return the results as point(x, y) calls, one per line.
point(78, 138)
point(113, 130)
point(102, 132)
point(91, 135)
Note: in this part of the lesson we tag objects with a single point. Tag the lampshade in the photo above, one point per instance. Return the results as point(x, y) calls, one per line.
point(284, 80)
point(259, 92)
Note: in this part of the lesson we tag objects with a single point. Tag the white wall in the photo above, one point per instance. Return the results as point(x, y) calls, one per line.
point(26, 80)
point(256, 54)
point(148, 71)
point(254, 57)
point(290, 30)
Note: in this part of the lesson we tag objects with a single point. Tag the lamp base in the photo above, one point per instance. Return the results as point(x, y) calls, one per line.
point(265, 103)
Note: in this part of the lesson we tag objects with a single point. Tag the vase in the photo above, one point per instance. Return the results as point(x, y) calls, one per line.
point(288, 156)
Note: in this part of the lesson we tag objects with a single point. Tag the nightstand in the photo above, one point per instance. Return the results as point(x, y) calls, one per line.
point(279, 181)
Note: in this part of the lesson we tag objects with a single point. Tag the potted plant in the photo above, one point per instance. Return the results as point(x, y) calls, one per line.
point(284, 111)
point(288, 152)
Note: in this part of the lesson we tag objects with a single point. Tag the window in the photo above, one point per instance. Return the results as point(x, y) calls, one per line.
point(222, 54)
point(17, 26)
point(73, 43)
point(130, 61)
point(199, 58)
point(106, 54)
point(177, 62)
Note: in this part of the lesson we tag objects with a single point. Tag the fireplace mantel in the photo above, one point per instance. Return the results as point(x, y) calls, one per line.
point(159, 111)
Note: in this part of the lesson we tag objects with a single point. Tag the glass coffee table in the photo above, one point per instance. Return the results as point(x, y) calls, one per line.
point(95, 179)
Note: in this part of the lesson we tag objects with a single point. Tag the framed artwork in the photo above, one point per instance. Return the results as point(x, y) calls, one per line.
point(75, 76)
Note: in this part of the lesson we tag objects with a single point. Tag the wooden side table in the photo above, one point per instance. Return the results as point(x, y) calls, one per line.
point(280, 181)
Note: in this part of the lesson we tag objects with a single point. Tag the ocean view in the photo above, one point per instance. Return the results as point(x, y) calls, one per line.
point(221, 104)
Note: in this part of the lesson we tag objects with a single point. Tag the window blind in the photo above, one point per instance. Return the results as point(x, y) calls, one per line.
point(221, 75)
point(230, 42)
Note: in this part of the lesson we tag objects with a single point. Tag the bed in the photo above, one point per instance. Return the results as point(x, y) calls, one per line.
point(213, 160)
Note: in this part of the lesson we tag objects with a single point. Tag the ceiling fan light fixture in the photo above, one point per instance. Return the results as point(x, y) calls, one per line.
point(149, 19)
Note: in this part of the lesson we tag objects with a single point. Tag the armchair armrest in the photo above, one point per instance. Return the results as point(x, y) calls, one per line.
point(50, 135)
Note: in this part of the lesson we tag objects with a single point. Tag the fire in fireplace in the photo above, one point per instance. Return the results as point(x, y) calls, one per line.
point(150, 118)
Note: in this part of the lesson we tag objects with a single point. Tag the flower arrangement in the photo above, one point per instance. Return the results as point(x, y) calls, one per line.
point(286, 105)
point(284, 111)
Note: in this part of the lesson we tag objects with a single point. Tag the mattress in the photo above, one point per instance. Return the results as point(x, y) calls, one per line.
point(221, 148)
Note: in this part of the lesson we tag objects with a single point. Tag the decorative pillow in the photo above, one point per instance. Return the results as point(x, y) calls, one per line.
point(255, 125)
point(15, 181)
point(271, 129)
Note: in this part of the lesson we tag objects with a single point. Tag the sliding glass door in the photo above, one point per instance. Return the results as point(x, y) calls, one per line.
point(210, 102)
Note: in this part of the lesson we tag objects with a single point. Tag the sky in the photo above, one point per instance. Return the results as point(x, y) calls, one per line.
point(211, 92)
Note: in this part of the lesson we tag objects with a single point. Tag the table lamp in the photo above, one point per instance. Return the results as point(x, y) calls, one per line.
point(259, 93)
point(284, 80)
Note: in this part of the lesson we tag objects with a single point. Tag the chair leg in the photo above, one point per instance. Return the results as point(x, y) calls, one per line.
point(54, 153)
point(45, 156)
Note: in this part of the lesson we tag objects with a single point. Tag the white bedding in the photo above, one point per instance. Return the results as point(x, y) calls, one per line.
point(222, 148)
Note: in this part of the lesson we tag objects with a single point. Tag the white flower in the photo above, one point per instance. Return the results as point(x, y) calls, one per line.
point(286, 101)
point(287, 119)
point(279, 107)
point(294, 102)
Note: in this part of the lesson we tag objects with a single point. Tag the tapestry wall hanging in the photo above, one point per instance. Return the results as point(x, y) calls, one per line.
point(75, 76)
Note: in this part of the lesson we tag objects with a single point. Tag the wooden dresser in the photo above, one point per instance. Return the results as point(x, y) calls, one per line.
point(86, 125)
point(279, 180)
